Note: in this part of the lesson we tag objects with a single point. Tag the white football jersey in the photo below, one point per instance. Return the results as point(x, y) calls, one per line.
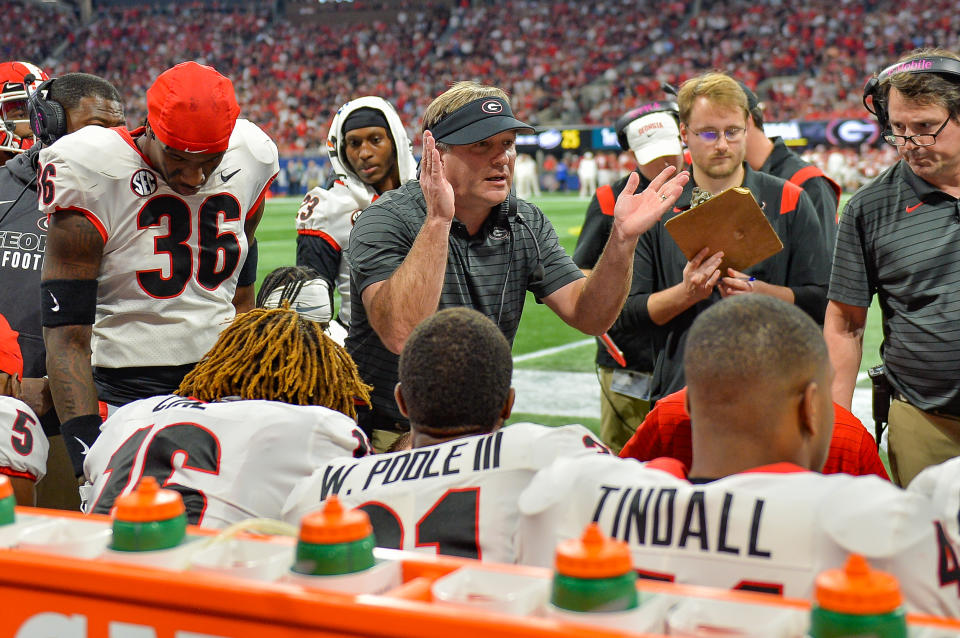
point(772, 531)
point(23, 445)
point(457, 498)
point(170, 262)
point(329, 215)
point(231, 460)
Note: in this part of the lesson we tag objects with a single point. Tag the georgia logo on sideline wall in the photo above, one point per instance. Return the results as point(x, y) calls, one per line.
point(491, 106)
point(143, 183)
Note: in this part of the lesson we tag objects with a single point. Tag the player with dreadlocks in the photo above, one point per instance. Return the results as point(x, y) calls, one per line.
point(269, 403)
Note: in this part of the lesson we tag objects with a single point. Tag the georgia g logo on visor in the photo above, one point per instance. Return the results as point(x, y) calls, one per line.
point(491, 106)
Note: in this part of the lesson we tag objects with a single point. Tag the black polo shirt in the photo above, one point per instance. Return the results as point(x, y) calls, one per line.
point(636, 345)
point(900, 239)
point(803, 266)
point(489, 272)
point(23, 240)
point(823, 191)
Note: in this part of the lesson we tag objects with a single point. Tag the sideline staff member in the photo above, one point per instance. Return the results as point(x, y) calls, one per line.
point(668, 291)
point(652, 134)
point(899, 239)
point(455, 238)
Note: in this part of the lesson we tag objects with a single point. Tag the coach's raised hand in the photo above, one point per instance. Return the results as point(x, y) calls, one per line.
point(437, 190)
point(634, 214)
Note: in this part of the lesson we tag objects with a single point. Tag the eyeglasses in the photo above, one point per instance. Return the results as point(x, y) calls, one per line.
point(710, 136)
point(925, 139)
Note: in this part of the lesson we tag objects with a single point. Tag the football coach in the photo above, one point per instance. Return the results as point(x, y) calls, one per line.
point(457, 237)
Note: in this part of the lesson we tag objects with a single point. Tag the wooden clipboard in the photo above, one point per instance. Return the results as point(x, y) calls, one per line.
point(732, 222)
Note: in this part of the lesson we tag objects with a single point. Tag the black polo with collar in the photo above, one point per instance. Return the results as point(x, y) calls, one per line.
point(899, 238)
point(803, 266)
point(489, 272)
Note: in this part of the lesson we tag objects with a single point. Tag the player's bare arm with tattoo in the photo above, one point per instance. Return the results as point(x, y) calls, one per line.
point(72, 262)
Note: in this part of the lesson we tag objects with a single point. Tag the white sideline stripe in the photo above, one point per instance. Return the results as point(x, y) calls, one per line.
point(548, 351)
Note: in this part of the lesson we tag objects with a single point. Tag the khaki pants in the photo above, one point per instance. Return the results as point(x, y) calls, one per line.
point(620, 415)
point(919, 439)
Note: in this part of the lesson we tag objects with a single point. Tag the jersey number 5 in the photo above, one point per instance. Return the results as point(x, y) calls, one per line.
point(450, 525)
point(218, 254)
point(198, 446)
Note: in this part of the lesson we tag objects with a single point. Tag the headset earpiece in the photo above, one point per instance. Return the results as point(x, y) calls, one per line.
point(48, 120)
point(874, 102)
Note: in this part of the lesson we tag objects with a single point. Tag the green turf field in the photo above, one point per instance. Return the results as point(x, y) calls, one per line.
point(539, 328)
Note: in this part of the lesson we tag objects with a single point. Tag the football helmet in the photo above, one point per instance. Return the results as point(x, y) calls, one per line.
point(16, 136)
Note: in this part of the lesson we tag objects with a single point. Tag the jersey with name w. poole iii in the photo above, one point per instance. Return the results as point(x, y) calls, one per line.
point(231, 460)
point(457, 498)
point(170, 262)
point(770, 529)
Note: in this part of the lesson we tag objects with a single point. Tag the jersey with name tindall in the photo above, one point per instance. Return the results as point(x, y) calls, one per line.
point(23, 445)
point(772, 529)
point(170, 262)
point(231, 460)
point(456, 498)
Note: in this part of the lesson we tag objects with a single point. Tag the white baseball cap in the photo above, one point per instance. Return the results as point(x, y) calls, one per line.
point(652, 136)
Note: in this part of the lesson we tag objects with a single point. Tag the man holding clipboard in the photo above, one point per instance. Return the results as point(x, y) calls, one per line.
point(668, 290)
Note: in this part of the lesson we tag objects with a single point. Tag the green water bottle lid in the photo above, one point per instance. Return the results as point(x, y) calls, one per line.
point(594, 573)
point(7, 501)
point(148, 518)
point(334, 541)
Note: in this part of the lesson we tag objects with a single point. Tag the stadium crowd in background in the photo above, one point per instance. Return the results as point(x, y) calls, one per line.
point(151, 256)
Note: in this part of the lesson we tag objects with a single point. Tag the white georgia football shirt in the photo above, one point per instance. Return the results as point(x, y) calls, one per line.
point(231, 460)
point(456, 498)
point(170, 262)
point(762, 531)
point(23, 445)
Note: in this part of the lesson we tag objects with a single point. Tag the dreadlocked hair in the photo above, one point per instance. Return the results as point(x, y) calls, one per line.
point(275, 354)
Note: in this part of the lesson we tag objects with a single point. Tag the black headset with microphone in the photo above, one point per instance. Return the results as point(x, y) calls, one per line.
point(874, 99)
point(48, 119)
point(508, 212)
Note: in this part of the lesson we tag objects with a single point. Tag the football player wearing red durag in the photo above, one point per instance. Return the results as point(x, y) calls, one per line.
point(150, 248)
point(666, 432)
point(23, 446)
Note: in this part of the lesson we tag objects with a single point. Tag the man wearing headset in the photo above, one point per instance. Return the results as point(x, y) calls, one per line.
point(456, 237)
point(899, 239)
point(651, 133)
point(87, 100)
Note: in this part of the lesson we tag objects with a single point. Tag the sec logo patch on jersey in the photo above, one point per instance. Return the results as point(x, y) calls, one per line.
point(143, 183)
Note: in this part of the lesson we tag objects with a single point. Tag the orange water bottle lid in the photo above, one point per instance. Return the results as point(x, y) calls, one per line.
point(148, 503)
point(594, 555)
point(6, 487)
point(858, 589)
point(333, 524)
